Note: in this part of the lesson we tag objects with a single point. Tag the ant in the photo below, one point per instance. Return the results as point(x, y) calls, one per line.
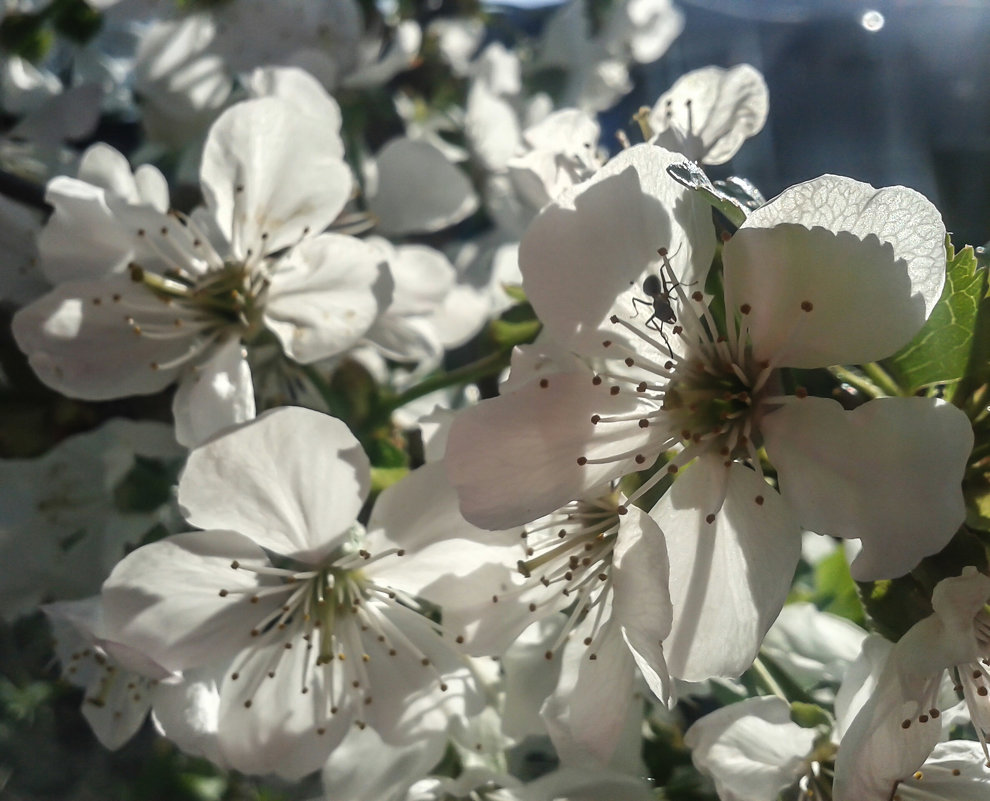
point(656, 288)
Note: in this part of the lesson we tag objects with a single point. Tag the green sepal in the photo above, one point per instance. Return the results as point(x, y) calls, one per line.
point(384, 477)
point(689, 174)
point(809, 716)
point(941, 351)
point(515, 292)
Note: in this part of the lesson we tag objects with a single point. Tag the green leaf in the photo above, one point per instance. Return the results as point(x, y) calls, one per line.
point(693, 177)
point(835, 591)
point(940, 352)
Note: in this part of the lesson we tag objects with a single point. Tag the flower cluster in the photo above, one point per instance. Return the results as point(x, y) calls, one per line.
point(370, 420)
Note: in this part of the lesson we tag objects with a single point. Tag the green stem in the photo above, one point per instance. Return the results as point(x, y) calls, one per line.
point(321, 385)
point(862, 383)
point(882, 379)
point(768, 681)
point(484, 367)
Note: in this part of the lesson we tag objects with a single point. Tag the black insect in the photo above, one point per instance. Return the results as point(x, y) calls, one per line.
point(659, 292)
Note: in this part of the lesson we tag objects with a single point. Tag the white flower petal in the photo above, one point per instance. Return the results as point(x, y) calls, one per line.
point(81, 340)
point(751, 749)
point(587, 712)
point(214, 395)
point(82, 239)
point(641, 602)
point(819, 298)
point(708, 113)
point(271, 176)
point(253, 480)
point(419, 190)
point(595, 241)
point(324, 295)
point(515, 458)
point(889, 473)
point(305, 94)
point(897, 215)
point(728, 578)
point(283, 723)
point(163, 599)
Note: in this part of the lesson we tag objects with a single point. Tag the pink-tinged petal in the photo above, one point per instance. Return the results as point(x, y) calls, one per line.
point(271, 176)
point(255, 480)
point(281, 723)
point(728, 578)
point(516, 457)
point(587, 712)
point(585, 256)
point(164, 599)
point(905, 219)
point(84, 339)
point(752, 750)
point(889, 473)
point(641, 602)
point(418, 190)
point(214, 395)
point(819, 298)
point(325, 294)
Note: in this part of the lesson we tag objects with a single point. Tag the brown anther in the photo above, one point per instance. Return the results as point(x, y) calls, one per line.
point(613, 319)
point(622, 509)
point(641, 387)
point(592, 657)
point(759, 500)
point(459, 639)
point(662, 252)
point(697, 296)
point(607, 343)
point(613, 391)
point(906, 724)
point(582, 460)
point(745, 308)
point(596, 419)
point(247, 704)
point(544, 383)
point(548, 655)
point(709, 518)
point(806, 305)
point(597, 380)
point(224, 593)
point(671, 469)
point(640, 459)
point(644, 423)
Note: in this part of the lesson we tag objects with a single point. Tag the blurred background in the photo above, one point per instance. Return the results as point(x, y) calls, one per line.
point(885, 91)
